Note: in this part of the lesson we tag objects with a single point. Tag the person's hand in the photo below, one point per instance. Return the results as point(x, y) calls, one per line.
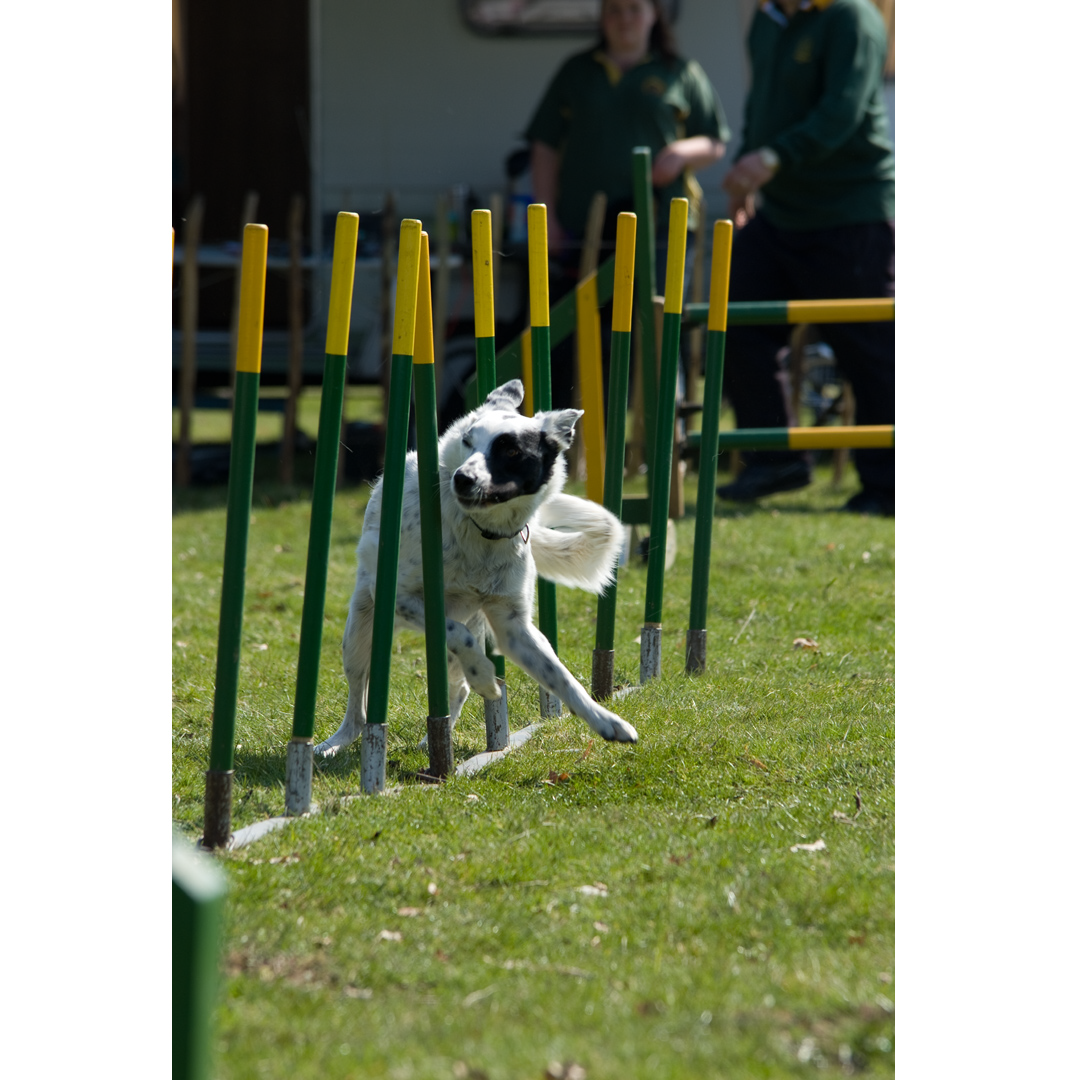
point(668, 166)
point(741, 209)
point(742, 183)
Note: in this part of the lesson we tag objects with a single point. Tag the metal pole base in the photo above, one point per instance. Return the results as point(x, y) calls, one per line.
point(440, 746)
point(373, 759)
point(497, 720)
point(695, 652)
point(550, 705)
point(603, 673)
point(650, 652)
point(298, 768)
point(217, 808)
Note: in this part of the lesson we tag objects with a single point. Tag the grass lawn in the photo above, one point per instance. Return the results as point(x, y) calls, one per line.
point(637, 910)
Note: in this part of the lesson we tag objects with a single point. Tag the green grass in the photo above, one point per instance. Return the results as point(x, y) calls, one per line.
point(704, 947)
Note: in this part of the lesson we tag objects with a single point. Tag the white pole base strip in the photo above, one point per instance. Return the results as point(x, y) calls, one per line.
point(550, 705)
point(440, 747)
point(497, 721)
point(298, 769)
point(517, 738)
point(373, 759)
point(650, 653)
point(695, 652)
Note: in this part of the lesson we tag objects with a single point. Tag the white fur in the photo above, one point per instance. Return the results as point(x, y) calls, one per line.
point(488, 583)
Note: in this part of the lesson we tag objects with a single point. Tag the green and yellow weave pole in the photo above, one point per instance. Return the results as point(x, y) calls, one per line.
point(496, 716)
point(641, 176)
point(540, 318)
point(790, 312)
point(440, 747)
point(603, 665)
point(298, 753)
point(662, 447)
point(591, 381)
point(373, 738)
point(217, 809)
point(716, 339)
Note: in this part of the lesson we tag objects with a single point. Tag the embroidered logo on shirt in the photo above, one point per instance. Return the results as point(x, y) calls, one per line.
point(654, 85)
point(804, 51)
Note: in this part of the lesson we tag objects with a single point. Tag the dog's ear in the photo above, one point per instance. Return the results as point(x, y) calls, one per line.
point(559, 426)
point(508, 396)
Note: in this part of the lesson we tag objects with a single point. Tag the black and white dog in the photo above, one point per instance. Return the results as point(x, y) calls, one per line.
point(504, 519)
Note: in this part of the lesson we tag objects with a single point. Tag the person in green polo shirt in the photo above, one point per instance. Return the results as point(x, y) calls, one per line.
point(812, 196)
point(631, 89)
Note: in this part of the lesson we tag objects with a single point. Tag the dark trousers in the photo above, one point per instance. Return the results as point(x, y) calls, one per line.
point(840, 263)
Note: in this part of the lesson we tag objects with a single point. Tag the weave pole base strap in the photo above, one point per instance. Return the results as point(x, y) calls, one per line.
point(650, 653)
point(440, 747)
point(217, 808)
point(497, 721)
point(298, 769)
point(373, 759)
point(550, 705)
point(695, 652)
point(603, 673)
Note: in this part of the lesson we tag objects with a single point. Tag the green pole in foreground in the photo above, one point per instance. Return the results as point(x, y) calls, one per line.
point(217, 808)
point(540, 315)
point(198, 897)
point(660, 462)
point(440, 747)
point(298, 754)
point(710, 425)
point(603, 673)
point(373, 738)
point(496, 718)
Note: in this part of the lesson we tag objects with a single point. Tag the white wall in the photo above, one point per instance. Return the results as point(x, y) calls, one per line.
point(410, 99)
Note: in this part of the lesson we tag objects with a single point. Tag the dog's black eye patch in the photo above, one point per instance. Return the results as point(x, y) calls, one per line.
point(518, 463)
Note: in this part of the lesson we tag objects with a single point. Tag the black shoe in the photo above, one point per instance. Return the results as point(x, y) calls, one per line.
point(758, 480)
point(878, 503)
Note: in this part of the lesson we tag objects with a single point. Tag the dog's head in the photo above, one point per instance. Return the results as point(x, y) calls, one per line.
point(501, 464)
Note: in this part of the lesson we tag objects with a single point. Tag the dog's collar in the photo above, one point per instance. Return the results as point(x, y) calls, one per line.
point(524, 534)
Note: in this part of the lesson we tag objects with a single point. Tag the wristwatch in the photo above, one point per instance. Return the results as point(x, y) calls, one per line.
point(769, 157)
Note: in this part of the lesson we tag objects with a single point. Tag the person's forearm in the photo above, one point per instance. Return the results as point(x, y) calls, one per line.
point(699, 151)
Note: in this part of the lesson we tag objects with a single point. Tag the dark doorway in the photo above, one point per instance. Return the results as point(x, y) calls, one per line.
point(241, 122)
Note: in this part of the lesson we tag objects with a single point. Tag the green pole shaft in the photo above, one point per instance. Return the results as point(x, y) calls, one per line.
point(397, 433)
point(660, 489)
point(427, 461)
point(237, 519)
point(710, 424)
point(645, 271)
point(618, 384)
point(318, 555)
point(545, 590)
point(485, 383)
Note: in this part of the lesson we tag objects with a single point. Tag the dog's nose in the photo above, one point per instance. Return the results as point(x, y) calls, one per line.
point(463, 483)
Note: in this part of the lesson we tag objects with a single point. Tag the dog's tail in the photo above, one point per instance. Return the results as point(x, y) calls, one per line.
point(576, 542)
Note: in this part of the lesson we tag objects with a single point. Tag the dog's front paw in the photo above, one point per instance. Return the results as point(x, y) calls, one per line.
point(612, 727)
point(338, 741)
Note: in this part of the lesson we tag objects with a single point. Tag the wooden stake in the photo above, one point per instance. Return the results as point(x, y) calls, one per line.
point(189, 328)
point(296, 337)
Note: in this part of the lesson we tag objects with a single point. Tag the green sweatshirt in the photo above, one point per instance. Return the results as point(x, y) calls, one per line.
point(816, 99)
